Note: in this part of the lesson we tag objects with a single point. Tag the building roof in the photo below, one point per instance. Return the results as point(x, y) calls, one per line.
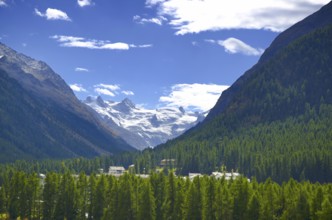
point(117, 168)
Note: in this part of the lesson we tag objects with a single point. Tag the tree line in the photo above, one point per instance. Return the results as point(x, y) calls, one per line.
point(68, 196)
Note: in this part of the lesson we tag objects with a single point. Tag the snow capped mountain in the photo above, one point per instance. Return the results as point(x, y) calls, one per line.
point(141, 127)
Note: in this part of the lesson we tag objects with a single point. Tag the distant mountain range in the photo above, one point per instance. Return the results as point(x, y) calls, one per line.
point(40, 117)
point(141, 127)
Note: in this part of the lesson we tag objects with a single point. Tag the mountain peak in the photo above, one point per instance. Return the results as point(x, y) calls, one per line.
point(45, 105)
point(100, 102)
point(34, 75)
point(128, 103)
point(182, 110)
point(88, 99)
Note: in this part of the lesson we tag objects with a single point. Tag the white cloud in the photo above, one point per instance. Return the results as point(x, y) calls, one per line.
point(108, 86)
point(3, 3)
point(107, 89)
point(199, 97)
point(77, 87)
point(111, 90)
point(53, 14)
point(194, 16)
point(127, 92)
point(71, 41)
point(233, 46)
point(80, 69)
point(104, 91)
point(83, 3)
point(158, 20)
point(141, 46)
point(115, 46)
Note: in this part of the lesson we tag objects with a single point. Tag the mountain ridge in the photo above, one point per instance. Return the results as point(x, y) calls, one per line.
point(42, 118)
point(315, 21)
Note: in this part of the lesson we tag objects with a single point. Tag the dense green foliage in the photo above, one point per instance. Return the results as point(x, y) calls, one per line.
point(65, 196)
point(275, 121)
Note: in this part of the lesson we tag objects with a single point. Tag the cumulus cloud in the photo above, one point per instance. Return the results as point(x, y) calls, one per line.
point(113, 87)
point(77, 88)
point(107, 89)
point(71, 41)
point(3, 3)
point(127, 92)
point(80, 69)
point(103, 91)
point(111, 90)
point(157, 20)
point(233, 46)
point(83, 3)
point(53, 14)
point(194, 16)
point(199, 97)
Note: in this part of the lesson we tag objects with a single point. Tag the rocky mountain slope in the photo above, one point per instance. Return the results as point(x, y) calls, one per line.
point(41, 117)
point(143, 127)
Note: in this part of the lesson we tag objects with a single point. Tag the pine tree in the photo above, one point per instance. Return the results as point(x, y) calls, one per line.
point(66, 201)
point(100, 198)
point(303, 208)
point(169, 203)
point(179, 200)
point(193, 202)
point(208, 199)
point(147, 207)
point(159, 187)
point(125, 209)
point(34, 197)
point(326, 212)
point(82, 196)
point(254, 207)
point(16, 190)
point(3, 200)
point(317, 203)
point(92, 194)
point(241, 192)
point(113, 206)
point(50, 193)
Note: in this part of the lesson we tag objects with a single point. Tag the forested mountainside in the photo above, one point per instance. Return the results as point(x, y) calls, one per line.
point(41, 117)
point(275, 120)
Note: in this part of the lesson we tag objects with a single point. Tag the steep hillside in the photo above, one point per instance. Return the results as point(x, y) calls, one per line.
point(41, 117)
point(319, 20)
point(275, 120)
point(142, 127)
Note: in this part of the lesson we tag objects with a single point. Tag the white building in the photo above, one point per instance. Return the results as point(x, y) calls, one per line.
point(227, 176)
point(116, 171)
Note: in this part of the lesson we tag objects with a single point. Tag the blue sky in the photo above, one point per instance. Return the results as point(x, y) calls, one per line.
point(156, 52)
